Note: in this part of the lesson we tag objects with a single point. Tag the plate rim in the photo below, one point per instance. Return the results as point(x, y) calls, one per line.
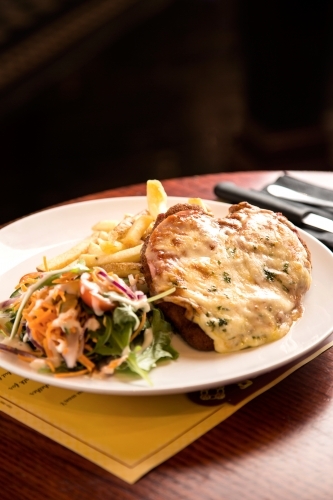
point(129, 389)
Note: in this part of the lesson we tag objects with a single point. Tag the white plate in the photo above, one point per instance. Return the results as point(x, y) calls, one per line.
point(23, 244)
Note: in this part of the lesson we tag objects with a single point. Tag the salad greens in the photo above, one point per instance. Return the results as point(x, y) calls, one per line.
point(85, 321)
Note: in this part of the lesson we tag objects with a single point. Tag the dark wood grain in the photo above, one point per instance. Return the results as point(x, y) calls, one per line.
point(203, 186)
point(279, 446)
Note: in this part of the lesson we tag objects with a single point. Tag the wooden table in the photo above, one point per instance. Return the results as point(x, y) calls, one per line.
point(279, 446)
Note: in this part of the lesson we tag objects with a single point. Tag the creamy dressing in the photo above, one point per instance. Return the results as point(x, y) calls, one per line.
point(101, 293)
point(70, 347)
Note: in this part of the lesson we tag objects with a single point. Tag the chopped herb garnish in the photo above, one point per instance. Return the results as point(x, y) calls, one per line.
point(212, 289)
point(270, 276)
point(223, 322)
point(285, 268)
point(226, 277)
point(231, 251)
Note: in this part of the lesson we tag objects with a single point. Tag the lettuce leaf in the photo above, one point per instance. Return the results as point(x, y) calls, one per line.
point(142, 361)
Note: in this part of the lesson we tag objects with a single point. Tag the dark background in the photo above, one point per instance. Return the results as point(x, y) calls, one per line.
point(161, 89)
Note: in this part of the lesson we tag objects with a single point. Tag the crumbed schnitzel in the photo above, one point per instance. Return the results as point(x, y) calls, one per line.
point(240, 280)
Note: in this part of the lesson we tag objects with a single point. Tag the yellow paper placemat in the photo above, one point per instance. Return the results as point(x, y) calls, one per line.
point(128, 436)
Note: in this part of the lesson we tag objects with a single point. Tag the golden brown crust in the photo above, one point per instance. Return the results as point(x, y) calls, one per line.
point(191, 332)
point(188, 330)
point(179, 207)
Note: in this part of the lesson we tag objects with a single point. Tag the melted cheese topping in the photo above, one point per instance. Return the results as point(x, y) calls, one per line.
point(241, 279)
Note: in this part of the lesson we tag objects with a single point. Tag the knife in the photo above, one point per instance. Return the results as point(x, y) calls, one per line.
point(297, 213)
point(289, 194)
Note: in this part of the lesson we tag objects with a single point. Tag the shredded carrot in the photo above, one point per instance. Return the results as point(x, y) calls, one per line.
point(43, 318)
point(28, 308)
point(114, 363)
point(28, 279)
point(86, 362)
point(48, 351)
point(65, 278)
point(48, 338)
point(38, 331)
point(48, 306)
point(71, 374)
point(25, 358)
point(61, 294)
point(50, 365)
point(138, 330)
point(43, 308)
point(40, 318)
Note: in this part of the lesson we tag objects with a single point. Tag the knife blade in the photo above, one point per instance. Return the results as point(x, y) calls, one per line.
point(297, 213)
point(292, 195)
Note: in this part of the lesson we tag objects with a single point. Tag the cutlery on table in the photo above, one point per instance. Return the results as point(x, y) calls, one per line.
point(309, 216)
point(292, 195)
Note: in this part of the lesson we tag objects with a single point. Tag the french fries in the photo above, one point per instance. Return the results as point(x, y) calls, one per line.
point(156, 198)
point(200, 203)
point(105, 225)
point(116, 245)
point(137, 231)
point(66, 258)
point(123, 269)
point(131, 254)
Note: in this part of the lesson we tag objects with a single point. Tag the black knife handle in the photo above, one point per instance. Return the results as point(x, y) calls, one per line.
point(231, 193)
